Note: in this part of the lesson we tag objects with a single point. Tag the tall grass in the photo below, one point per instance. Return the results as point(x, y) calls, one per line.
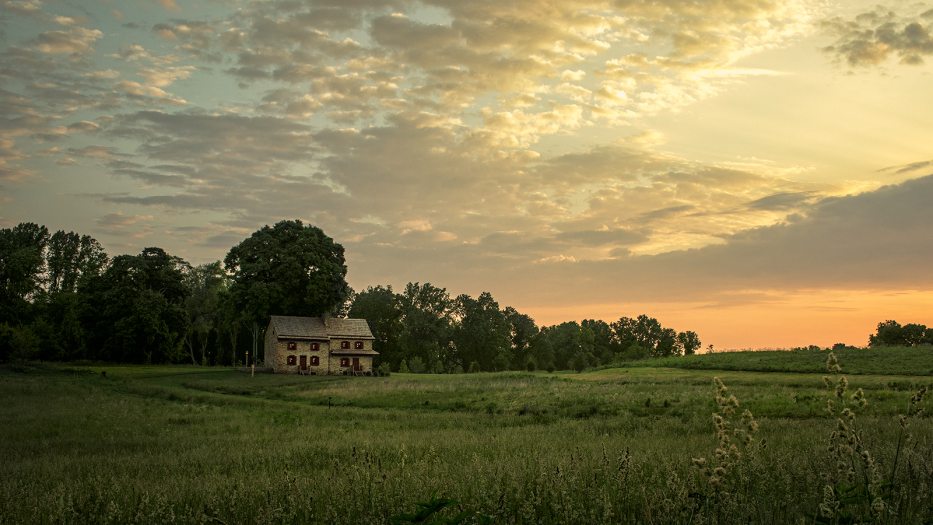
point(183, 444)
point(897, 360)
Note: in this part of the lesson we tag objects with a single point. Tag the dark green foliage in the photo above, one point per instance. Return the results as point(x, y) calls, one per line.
point(416, 365)
point(22, 264)
point(287, 269)
point(427, 313)
point(483, 333)
point(522, 330)
point(135, 311)
point(875, 360)
point(891, 333)
point(689, 341)
point(206, 285)
point(382, 310)
point(18, 343)
point(72, 260)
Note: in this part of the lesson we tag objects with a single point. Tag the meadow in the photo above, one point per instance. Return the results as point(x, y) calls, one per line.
point(149, 444)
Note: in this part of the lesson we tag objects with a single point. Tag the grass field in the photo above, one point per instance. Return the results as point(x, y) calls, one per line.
point(111, 444)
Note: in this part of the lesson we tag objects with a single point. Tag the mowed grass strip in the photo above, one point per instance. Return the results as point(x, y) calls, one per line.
point(195, 445)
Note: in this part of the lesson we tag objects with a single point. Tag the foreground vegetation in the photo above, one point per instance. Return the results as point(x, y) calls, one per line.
point(187, 444)
point(873, 360)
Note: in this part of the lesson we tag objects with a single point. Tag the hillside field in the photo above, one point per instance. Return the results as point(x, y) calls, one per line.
point(150, 444)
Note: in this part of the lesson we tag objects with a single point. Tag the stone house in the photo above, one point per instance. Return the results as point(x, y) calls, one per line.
point(319, 345)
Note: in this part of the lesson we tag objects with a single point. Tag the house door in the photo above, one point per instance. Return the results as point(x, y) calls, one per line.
point(303, 360)
point(356, 365)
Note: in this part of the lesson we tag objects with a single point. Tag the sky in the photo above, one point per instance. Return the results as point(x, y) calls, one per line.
point(758, 171)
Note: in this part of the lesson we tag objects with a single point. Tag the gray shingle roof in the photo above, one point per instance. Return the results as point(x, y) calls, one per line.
point(315, 328)
point(356, 328)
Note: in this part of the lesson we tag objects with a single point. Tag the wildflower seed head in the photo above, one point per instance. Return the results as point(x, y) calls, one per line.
point(832, 364)
point(841, 387)
point(720, 386)
point(848, 414)
point(878, 506)
point(699, 462)
point(859, 398)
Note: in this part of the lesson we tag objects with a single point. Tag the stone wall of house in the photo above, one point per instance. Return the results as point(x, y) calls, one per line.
point(302, 348)
point(366, 361)
point(277, 352)
point(269, 348)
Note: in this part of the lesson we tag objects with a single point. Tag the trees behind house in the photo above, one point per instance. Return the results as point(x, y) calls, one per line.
point(64, 299)
point(423, 328)
point(286, 269)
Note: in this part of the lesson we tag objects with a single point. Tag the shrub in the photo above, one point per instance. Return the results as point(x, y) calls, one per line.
point(416, 365)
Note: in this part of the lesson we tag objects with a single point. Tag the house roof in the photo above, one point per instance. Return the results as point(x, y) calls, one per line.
point(356, 328)
point(316, 328)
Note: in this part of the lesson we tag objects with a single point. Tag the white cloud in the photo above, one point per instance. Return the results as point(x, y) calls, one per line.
point(74, 40)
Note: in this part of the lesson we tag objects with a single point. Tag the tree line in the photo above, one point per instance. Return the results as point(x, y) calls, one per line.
point(892, 333)
point(423, 329)
point(64, 299)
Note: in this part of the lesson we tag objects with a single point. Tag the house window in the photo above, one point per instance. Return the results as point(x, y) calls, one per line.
point(358, 345)
point(315, 347)
point(292, 345)
point(344, 361)
point(291, 360)
point(345, 344)
point(315, 360)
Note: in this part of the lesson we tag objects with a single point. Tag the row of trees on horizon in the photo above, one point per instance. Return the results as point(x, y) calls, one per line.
point(62, 298)
point(65, 299)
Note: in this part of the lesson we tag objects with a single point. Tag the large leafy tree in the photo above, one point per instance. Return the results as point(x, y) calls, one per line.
point(206, 284)
point(72, 259)
point(522, 330)
point(427, 313)
point(483, 334)
point(604, 346)
point(380, 306)
point(22, 265)
point(689, 341)
point(135, 310)
point(286, 269)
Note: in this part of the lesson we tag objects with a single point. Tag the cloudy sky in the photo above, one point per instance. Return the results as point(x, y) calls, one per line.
point(759, 171)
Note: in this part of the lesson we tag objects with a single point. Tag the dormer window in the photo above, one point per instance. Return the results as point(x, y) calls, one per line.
point(358, 345)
